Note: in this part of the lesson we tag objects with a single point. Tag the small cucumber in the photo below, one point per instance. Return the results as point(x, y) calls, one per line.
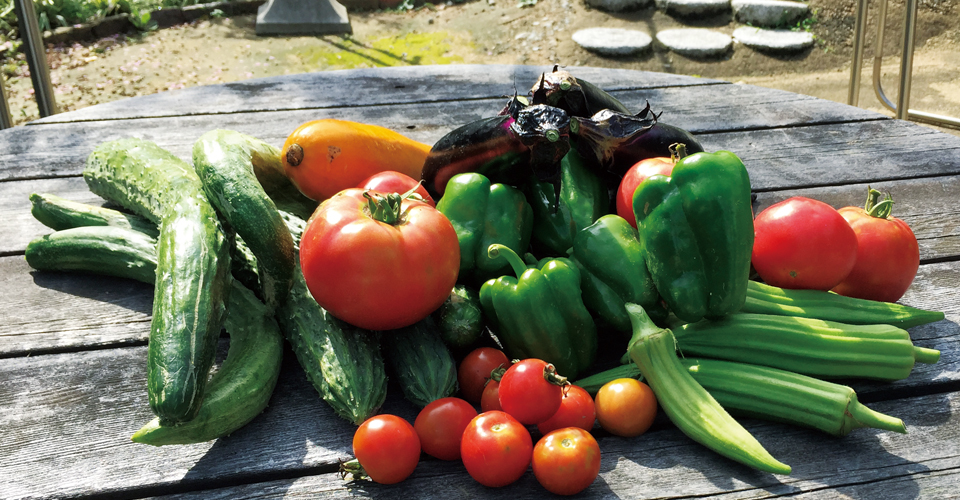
point(223, 160)
point(193, 267)
point(424, 366)
point(460, 319)
point(113, 251)
point(59, 213)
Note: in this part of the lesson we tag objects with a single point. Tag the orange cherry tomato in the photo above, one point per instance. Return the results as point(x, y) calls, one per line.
point(625, 407)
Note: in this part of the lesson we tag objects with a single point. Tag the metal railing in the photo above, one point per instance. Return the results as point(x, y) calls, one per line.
point(902, 107)
point(32, 40)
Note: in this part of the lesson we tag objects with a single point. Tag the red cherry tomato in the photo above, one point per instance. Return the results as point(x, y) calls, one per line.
point(803, 243)
point(490, 400)
point(626, 407)
point(631, 180)
point(576, 410)
point(374, 274)
point(396, 182)
point(888, 257)
point(526, 394)
point(387, 448)
point(496, 449)
point(440, 426)
point(566, 461)
point(474, 371)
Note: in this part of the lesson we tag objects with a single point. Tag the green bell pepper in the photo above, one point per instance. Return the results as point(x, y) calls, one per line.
point(613, 271)
point(583, 199)
point(482, 214)
point(540, 313)
point(696, 227)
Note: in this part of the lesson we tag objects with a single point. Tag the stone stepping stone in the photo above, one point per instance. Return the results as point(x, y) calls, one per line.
point(766, 40)
point(693, 8)
point(696, 42)
point(612, 41)
point(769, 13)
point(618, 5)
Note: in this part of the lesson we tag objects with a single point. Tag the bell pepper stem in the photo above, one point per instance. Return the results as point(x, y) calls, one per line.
point(497, 250)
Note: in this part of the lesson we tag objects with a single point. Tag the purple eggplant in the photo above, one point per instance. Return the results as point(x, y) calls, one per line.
point(619, 140)
point(503, 148)
point(575, 96)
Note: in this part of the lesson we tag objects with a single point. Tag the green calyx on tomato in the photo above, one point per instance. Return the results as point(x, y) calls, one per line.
point(388, 208)
point(874, 207)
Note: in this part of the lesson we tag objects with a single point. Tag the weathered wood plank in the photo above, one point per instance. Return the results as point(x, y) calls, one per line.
point(826, 155)
point(361, 87)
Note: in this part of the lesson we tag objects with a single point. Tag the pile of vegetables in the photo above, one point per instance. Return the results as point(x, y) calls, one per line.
point(563, 224)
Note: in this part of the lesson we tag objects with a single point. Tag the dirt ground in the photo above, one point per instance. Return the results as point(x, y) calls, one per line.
point(217, 50)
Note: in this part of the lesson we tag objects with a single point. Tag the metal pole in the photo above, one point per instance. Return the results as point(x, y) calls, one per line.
point(36, 56)
point(5, 120)
point(859, 37)
point(906, 61)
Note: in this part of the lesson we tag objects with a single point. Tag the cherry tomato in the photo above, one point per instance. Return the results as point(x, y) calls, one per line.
point(440, 426)
point(631, 180)
point(527, 395)
point(576, 410)
point(626, 407)
point(803, 243)
point(395, 182)
point(566, 461)
point(490, 400)
point(387, 448)
point(379, 275)
point(474, 371)
point(496, 449)
point(888, 257)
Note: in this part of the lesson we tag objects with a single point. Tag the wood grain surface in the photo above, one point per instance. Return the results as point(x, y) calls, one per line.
point(73, 346)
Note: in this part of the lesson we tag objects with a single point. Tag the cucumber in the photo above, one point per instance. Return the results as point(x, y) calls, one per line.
point(59, 213)
point(193, 267)
point(240, 389)
point(268, 167)
point(424, 366)
point(109, 250)
point(342, 362)
point(223, 160)
point(460, 319)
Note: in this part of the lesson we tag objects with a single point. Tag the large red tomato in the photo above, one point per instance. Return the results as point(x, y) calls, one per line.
point(381, 270)
point(566, 461)
point(631, 180)
point(888, 256)
point(496, 449)
point(803, 243)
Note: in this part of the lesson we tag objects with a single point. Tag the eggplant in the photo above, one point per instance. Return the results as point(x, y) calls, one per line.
point(619, 140)
point(576, 96)
point(505, 149)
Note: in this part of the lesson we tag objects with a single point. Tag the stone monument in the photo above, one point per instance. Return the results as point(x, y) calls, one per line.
point(302, 17)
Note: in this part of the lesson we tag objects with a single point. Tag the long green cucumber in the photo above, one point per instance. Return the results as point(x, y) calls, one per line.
point(421, 361)
point(60, 213)
point(766, 299)
point(688, 405)
point(811, 347)
point(109, 250)
point(193, 267)
point(342, 362)
point(223, 160)
point(782, 396)
point(240, 389)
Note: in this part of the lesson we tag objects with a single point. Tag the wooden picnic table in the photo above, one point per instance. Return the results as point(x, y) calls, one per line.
point(73, 347)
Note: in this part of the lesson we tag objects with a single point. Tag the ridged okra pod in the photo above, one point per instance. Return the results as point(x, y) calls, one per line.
point(767, 299)
point(808, 346)
point(781, 396)
point(688, 405)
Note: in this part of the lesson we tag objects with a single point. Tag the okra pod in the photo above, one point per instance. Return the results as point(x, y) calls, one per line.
point(802, 345)
point(688, 405)
point(767, 299)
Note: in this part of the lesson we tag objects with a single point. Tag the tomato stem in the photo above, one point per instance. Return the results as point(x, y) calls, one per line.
point(384, 208)
point(354, 469)
point(550, 375)
point(875, 207)
point(678, 151)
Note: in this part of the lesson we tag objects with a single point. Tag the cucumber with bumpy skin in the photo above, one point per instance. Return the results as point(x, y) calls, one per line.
point(193, 267)
point(224, 161)
point(60, 213)
point(424, 366)
point(109, 250)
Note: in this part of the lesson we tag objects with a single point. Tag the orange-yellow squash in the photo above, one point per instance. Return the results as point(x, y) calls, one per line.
point(324, 157)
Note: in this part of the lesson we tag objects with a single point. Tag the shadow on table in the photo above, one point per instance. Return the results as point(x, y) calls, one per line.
point(127, 293)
